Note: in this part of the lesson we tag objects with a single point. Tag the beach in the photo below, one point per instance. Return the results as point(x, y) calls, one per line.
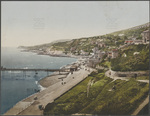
point(54, 86)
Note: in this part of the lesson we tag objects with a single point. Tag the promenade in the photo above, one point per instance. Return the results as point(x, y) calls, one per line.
point(30, 106)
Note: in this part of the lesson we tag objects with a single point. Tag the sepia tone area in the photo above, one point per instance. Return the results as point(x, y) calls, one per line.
point(92, 62)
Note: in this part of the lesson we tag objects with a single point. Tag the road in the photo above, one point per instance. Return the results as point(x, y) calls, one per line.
point(111, 74)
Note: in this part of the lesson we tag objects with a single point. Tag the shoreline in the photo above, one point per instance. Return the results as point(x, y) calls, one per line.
point(30, 106)
point(44, 85)
point(48, 54)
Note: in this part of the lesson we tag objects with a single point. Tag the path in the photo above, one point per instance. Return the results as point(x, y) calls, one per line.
point(111, 74)
point(141, 106)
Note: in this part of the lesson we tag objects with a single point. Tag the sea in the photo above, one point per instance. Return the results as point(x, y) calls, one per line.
point(17, 85)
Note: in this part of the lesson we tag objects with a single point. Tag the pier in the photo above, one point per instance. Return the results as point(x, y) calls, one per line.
point(35, 70)
point(21, 69)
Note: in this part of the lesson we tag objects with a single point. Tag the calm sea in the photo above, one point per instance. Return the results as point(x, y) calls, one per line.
point(18, 85)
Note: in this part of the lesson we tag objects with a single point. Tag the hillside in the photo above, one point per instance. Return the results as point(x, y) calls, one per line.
point(103, 42)
point(97, 94)
point(132, 58)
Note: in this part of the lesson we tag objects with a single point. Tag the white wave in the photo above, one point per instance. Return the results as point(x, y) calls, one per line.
point(39, 86)
point(36, 82)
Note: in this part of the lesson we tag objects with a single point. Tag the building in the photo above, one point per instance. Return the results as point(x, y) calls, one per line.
point(146, 37)
point(73, 68)
point(101, 45)
point(92, 62)
point(114, 53)
point(138, 42)
point(109, 54)
point(101, 54)
point(83, 53)
point(129, 42)
point(95, 49)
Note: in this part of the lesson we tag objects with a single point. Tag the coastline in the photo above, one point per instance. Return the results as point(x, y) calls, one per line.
point(30, 105)
point(43, 84)
point(53, 54)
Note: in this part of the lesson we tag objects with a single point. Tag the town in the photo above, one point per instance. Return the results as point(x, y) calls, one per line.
point(112, 66)
point(93, 49)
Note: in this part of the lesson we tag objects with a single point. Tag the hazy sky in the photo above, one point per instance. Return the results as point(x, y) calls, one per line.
point(38, 22)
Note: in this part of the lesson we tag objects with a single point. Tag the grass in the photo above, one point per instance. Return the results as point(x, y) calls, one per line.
point(143, 78)
point(122, 100)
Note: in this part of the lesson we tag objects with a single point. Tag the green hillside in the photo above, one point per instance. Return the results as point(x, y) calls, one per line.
point(103, 97)
point(132, 62)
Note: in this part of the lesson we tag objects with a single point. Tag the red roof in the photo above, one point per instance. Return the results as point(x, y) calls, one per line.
point(128, 41)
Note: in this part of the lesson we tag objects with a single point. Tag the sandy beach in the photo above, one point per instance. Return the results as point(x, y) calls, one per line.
point(52, 79)
point(55, 85)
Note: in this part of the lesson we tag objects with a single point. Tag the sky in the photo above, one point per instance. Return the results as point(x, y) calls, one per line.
point(28, 23)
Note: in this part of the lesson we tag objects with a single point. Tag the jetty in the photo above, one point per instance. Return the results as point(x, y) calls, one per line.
point(22, 69)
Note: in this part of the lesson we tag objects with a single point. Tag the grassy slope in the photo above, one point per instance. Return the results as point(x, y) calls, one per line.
point(123, 100)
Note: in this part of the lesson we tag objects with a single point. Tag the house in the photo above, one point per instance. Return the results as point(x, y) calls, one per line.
point(146, 37)
point(114, 53)
point(73, 49)
point(124, 55)
point(133, 40)
point(121, 35)
point(92, 42)
point(101, 45)
point(135, 53)
point(92, 62)
point(129, 42)
point(83, 53)
point(101, 54)
point(109, 54)
point(136, 42)
point(95, 50)
point(73, 68)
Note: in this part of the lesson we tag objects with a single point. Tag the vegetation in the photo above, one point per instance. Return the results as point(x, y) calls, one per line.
point(136, 32)
point(132, 62)
point(86, 44)
point(143, 78)
point(97, 94)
